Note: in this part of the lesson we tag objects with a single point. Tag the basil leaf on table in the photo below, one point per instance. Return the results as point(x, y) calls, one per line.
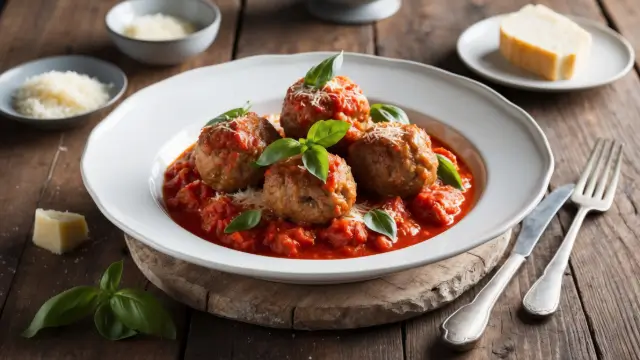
point(278, 150)
point(327, 132)
point(111, 278)
point(108, 324)
point(245, 221)
point(65, 308)
point(388, 113)
point(316, 161)
point(448, 174)
point(319, 75)
point(140, 311)
point(381, 222)
point(230, 115)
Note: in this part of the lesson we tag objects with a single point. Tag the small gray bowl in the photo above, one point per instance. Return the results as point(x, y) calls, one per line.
point(105, 72)
point(204, 15)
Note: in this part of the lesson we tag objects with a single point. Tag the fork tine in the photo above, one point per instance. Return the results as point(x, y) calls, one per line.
point(611, 189)
point(595, 153)
point(593, 179)
point(602, 182)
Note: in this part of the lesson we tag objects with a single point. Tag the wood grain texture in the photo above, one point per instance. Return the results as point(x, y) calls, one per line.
point(50, 161)
point(624, 15)
point(433, 28)
point(346, 306)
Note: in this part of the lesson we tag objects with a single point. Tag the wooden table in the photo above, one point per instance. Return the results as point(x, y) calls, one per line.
point(599, 316)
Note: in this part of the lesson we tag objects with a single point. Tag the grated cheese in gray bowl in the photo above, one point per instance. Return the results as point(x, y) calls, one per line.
point(56, 94)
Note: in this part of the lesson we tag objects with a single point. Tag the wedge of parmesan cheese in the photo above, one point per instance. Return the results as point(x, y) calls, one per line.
point(59, 232)
point(543, 42)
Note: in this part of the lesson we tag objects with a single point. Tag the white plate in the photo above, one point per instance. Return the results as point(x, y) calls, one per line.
point(611, 58)
point(127, 153)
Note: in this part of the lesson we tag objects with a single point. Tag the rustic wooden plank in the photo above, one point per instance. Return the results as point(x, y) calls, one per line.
point(41, 274)
point(283, 26)
point(624, 15)
point(572, 122)
point(226, 339)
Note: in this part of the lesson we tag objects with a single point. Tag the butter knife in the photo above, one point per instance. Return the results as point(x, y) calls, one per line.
point(465, 327)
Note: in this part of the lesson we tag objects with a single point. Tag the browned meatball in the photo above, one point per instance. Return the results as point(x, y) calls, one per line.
point(394, 159)
point(340, 99)
point(295, 194)
point(225, 152)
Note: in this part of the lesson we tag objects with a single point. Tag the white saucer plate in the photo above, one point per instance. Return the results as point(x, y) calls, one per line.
point(611, 58)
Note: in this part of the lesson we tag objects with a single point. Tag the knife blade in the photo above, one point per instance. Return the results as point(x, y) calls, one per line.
point(464, 327)
point(537, 221)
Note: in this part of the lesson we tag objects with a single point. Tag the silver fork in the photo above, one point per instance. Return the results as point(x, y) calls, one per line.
point(593, 191)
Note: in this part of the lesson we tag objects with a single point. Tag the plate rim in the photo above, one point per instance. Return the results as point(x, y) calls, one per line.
point(553, 86)
point(535, 130)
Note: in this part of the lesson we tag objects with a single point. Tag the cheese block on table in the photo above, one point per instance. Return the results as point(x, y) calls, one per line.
point(543, 42)
point(59, 232)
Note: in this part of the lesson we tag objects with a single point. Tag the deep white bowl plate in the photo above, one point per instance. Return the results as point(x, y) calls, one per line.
point(126, 155)
point(611, 58)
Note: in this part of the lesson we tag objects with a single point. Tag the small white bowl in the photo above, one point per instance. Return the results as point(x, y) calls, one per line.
point(204, 15)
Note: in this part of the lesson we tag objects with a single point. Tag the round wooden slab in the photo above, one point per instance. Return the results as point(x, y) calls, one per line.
point(318, 307)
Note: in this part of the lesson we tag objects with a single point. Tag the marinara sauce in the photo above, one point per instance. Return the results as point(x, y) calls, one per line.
point(205, 213)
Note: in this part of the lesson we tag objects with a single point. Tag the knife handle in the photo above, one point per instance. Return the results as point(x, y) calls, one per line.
point(464, 327)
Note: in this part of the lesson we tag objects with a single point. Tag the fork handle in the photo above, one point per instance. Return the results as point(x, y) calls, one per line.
point(544, 296)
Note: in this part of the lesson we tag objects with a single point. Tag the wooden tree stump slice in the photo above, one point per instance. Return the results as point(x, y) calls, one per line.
point(318, 307)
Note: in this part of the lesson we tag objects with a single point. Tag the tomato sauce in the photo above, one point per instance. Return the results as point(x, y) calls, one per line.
point(205, 213)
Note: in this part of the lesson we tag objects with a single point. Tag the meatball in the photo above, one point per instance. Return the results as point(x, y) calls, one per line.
point(293, 193)
point(394, 159)
point(340, 99)
point(225, 152)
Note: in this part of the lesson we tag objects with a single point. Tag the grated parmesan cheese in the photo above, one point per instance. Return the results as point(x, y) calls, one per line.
point(56, 94)
point(248, 198)
point(158, 27)
point(392, 133)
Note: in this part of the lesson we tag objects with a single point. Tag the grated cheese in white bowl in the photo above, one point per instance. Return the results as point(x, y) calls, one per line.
point(158, 27)
point(55, 94)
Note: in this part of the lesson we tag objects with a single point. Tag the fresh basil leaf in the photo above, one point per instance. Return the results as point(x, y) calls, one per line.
point(230, 115)
point(140, 311)
point(448, 174)
point(245, 221)
point(322, 73)
point(108, 324)
point(388, 113)
point(111, 278)
point(64, 309)
point(328, 132)
point(278, 150)
point(381, 222)
point(316, 161)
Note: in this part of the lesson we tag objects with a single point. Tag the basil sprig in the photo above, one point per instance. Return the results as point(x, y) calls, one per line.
point(388, 113)
point(381, 222)
point(245, 221)
point(448, 174)
point(319, 75)
point(315, 158)
point(230, 115)
point(117, 314)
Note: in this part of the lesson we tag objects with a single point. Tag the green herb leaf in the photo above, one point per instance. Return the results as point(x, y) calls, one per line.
point(381, 222)
point(316, 161)
point(328, 132)
point(111, 278)
point(278, 150)
point(322, 73)
point(388, 113)
point(230, 115)
point(108, 324)
point(245, 221)
point(140, 311)
point(448, 174)
point(64, 309)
